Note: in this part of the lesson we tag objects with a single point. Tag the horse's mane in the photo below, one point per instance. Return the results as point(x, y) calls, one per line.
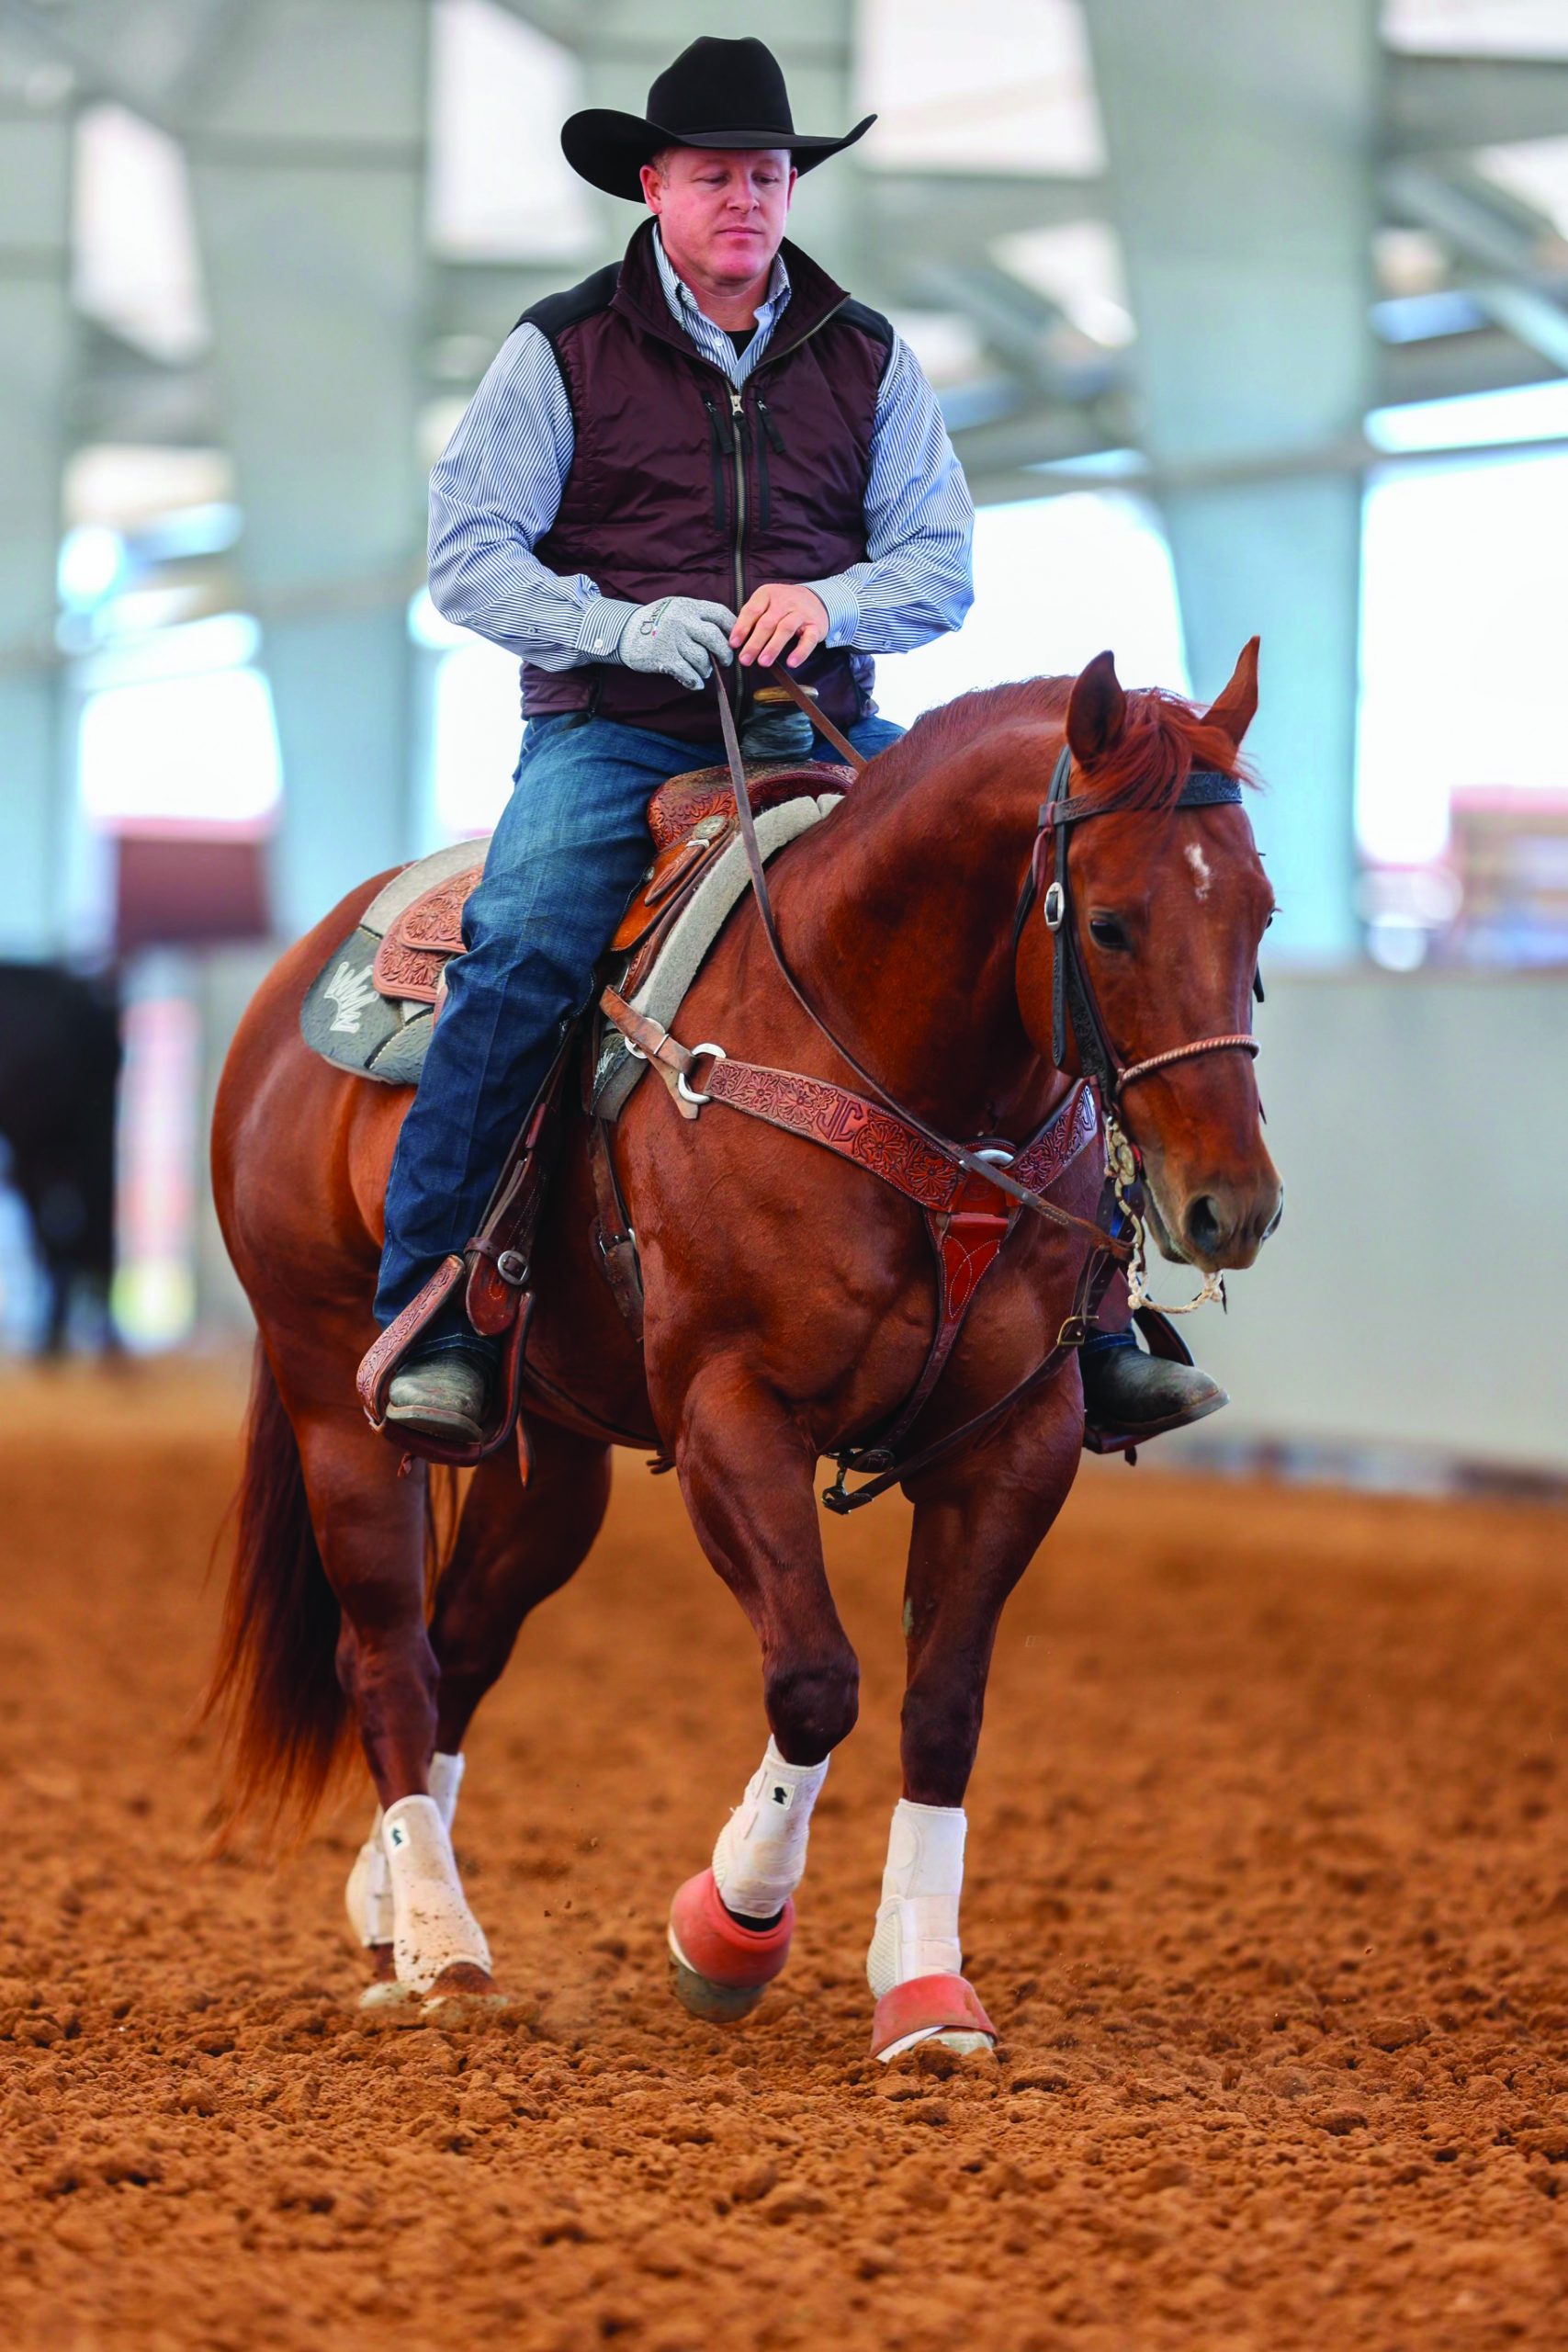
point(1162, 741)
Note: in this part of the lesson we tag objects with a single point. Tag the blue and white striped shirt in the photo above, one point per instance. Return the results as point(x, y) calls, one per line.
point(498, 487)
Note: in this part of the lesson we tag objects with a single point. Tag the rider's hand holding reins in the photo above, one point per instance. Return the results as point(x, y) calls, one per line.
point(683, 636)
point(773, 619)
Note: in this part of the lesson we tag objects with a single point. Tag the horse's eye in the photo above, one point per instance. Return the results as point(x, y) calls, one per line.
point(1106, 932)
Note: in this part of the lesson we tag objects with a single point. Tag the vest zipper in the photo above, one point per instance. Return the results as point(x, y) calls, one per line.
point(736, 446)
point(738, 417)
point(768, 437)
point(717, 452)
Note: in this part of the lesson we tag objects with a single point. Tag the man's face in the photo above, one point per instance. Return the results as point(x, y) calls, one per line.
point(722, 210)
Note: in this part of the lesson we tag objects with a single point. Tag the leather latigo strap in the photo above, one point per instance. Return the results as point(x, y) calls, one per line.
point(499, 1254)
point(612, 1235)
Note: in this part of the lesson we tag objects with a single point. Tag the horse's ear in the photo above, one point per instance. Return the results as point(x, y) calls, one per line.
point(1096, 709)
point(1237, 706)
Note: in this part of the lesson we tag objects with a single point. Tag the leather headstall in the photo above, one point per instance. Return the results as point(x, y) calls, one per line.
point(1074, 1005)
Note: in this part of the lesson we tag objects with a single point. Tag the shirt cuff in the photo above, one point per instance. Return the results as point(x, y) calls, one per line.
point(842, 608)
point(599, 632)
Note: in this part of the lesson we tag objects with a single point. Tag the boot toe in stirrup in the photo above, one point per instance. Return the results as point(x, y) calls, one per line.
point(443, 1397)
point(1131, 1397)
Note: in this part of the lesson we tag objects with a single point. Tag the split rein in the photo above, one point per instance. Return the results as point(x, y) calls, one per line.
point(1122, 1198)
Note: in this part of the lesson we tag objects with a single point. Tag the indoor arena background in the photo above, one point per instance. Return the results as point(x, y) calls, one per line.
point(1244, 321)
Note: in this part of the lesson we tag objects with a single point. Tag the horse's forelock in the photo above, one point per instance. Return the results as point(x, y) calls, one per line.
point(1163, 739)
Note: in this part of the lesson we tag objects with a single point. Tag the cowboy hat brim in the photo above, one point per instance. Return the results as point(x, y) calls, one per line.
point(609, 149)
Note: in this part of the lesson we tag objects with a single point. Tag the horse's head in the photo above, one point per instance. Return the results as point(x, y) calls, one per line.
point(1166, 903)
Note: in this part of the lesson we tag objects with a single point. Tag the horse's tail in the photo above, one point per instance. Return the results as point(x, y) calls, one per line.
point(274, 1681)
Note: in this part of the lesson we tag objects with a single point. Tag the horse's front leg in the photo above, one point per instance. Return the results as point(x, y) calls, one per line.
point(979, 1523)
point(747, 1473)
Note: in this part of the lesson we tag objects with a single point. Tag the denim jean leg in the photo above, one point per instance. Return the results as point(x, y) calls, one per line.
point(569, 851)
point(869, 736)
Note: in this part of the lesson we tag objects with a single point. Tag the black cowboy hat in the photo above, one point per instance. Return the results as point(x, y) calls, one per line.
point(717, 94)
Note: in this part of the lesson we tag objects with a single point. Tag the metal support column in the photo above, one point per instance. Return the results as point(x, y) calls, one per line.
point(1242, 146)
point(308, 171)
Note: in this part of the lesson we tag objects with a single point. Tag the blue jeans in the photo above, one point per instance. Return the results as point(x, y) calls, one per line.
point(571, 848)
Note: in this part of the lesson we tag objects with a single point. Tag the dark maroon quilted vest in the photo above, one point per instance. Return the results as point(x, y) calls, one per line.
point(682, 485)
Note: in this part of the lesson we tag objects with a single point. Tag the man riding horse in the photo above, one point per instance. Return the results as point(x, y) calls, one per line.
point(704, 453)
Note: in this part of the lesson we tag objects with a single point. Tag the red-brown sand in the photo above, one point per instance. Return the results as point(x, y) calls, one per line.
point(1268, 1896)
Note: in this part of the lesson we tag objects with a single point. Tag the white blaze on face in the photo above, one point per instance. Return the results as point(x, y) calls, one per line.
point(1201, 877)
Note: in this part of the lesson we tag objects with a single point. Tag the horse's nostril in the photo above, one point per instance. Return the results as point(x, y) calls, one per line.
point(1206, 1227)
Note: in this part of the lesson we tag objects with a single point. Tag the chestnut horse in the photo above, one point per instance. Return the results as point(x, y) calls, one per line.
point(789, 1309)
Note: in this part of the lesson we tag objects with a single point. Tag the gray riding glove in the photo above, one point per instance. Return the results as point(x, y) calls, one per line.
point(681, 636)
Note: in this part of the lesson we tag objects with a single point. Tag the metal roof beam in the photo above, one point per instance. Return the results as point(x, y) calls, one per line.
point(1459, 102)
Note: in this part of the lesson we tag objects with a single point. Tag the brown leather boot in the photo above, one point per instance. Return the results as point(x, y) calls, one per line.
point(1129, 1396)
point(441, 1390)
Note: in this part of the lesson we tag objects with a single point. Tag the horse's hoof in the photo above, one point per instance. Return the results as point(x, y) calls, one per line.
point(941, 2012)
point(387, 1996)
point(462, 1990)
point(719, 1968)
point(715, 2003)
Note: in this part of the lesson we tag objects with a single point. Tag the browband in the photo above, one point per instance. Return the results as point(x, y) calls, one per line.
point(1204, 788)
point(1207, 788)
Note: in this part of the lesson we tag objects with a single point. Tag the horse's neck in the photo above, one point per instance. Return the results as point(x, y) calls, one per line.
point(898, 918)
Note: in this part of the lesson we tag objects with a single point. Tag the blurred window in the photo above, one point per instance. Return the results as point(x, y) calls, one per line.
point(1056, 580)
point(1478, 27)
point(1078, 265)
point(136, 266)
point(1463, 786)
point(155, 1283)
point(499, 187)
point(199, 749)
point(478, 732)
point(1004, 88)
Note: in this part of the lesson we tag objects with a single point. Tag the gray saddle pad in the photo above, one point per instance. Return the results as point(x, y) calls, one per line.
point(345, 1017)
point(346, 1020)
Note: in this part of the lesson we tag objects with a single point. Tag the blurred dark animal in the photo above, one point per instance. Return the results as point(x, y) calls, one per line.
point(60, 1057)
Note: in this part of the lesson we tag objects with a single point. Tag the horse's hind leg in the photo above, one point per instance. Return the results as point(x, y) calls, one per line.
point(515, 1545)
point(747, 1475)
point(369, 1529)
point(978, 1524)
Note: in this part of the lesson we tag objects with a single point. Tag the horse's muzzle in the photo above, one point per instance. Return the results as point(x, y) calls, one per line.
point(1226, 1225)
